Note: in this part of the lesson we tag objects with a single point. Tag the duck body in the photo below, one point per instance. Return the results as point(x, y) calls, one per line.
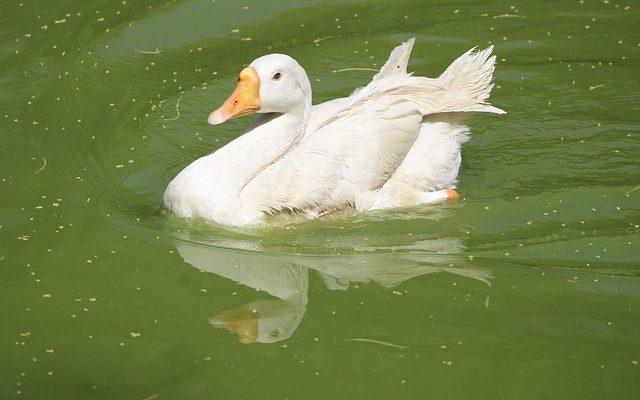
point(395, 142)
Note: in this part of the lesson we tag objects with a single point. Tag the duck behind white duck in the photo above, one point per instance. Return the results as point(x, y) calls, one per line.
point(395, 142)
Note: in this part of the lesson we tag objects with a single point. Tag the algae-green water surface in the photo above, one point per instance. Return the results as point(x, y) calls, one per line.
point(526, 288)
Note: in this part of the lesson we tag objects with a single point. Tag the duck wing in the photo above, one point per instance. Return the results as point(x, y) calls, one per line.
point(356, 153)
point(396, 64)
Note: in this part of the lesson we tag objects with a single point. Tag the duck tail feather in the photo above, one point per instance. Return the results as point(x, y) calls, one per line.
point(467, 82)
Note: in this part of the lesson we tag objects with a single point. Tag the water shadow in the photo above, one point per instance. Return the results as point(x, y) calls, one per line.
point(286, 276)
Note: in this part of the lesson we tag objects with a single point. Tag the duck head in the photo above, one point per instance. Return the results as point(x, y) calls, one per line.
point(274, 83)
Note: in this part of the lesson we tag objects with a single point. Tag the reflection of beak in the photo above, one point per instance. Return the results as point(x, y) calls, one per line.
point(245, 98)
point(243, 323)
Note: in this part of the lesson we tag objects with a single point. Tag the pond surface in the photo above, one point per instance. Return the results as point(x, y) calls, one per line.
point(526, 288)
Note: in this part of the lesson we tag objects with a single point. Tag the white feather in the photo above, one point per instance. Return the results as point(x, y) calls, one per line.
point(391, 143)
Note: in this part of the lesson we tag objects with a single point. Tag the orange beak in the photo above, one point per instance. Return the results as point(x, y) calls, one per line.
point(245, 98)
point(243, 323)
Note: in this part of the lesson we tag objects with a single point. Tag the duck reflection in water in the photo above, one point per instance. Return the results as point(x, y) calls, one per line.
point(286, 277)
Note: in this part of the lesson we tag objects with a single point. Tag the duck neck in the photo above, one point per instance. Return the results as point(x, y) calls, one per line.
point(271, 137)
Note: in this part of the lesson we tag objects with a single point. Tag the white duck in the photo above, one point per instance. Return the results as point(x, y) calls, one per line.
point(395, 142)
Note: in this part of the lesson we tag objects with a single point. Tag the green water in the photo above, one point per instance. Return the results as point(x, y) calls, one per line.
point(527, 288)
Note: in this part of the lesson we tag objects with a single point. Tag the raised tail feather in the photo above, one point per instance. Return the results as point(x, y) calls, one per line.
point(464, 86)
point(467, 82)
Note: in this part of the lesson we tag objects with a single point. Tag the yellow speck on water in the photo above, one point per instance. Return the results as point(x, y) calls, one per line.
point(135, 334)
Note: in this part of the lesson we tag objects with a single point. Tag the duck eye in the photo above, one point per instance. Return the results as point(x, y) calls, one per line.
point(277, 76)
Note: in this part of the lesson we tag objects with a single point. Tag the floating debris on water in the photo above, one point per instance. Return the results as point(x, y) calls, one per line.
point(156, 51)
point(380, 342)
point(177, 111)
point(355, 69)
point(44, 164)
